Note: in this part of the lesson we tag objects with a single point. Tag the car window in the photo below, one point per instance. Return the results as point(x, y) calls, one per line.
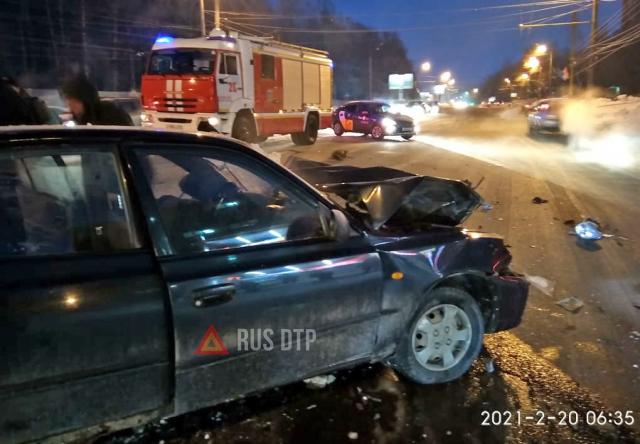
point(54, 203)
point(267, 67)
point(209, 203)
point(181, 61)
point(350, 108)
point(232, 64)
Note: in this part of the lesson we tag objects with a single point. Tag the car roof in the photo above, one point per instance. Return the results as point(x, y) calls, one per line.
point(35, 133)
point(367, 102)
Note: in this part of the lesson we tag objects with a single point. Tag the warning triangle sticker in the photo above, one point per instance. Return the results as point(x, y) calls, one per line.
point(211, 344)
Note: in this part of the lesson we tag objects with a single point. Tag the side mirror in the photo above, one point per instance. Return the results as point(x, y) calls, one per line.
point(339, 228)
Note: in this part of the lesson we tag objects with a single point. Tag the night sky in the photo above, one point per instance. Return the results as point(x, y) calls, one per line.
point(473, 44)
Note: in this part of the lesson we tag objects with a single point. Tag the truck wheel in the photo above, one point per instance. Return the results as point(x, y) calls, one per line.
point(338, 129)
point(377, 132)
point(310, 134)
point(444, 338)
point(244, 129)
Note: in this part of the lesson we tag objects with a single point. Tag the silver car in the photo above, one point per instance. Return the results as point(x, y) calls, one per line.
point(544, 116)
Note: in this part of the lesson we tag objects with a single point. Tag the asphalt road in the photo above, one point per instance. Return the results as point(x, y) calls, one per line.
point(556, 361)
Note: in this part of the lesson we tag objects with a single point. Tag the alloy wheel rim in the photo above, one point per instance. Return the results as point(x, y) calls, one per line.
point(441, 337)
point(376, 132)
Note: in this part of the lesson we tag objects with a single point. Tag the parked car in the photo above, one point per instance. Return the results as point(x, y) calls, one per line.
point(132, 261)
point(370, 117)
point(544, 116)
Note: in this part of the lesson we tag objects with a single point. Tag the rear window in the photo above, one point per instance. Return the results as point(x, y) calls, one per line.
point(181, 61)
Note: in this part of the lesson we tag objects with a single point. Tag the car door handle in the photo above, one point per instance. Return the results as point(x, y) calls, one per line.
point(214, 295)
point(223, 81)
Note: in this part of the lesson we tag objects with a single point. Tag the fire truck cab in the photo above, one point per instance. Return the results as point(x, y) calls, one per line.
point(245, 86)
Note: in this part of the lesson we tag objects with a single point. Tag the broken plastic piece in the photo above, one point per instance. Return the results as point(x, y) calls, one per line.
point(319, 382)
point(571, 304)
point(486, 206)
point(588, 229)
point(544, 285)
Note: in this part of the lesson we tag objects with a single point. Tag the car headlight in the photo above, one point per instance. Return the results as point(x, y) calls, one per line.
point(146, 118)
point(389, 125)
point(213, 121)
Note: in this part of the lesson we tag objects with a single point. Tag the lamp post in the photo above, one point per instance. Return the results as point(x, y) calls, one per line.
point(543, 50)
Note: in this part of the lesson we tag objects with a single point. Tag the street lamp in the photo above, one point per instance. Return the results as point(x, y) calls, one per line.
point(541, 50)
point(476, 90)
point(425, 67)
point(544, 50)
point(532, 63)
point(445, 77)
point(451, 82)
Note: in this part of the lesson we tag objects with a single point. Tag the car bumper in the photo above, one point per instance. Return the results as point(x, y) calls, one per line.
point(185, 122)
point(404, 131)
point(510, 298)
point(551, 125)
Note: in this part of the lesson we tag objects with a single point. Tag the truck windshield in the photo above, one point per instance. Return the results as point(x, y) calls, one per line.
point(181, 61)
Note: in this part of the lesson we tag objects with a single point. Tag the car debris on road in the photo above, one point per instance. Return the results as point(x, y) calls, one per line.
point(544, 285)
point(571, 304)
point(539, 200)
point(320, 382)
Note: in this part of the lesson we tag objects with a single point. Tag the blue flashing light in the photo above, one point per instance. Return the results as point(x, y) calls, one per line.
point(164, 39)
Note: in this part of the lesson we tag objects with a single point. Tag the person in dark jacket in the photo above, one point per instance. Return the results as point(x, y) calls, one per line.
point(18, 107)
point(84, 103)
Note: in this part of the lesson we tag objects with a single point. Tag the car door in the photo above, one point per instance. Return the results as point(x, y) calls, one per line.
point(260, 296)
point(230, 86)
point(363, 118)
point(347, 116)
point(83, 327)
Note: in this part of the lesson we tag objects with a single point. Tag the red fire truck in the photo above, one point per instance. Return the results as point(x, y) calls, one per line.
point(248, 87)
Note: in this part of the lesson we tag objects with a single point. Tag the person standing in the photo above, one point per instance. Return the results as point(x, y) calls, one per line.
point(84, 103)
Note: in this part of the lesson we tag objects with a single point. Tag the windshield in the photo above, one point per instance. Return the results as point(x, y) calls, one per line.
point(381, 108)
point(181, 61)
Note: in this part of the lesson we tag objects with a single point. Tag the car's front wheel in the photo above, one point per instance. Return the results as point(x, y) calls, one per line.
point(338, 129)
point(407, 137)
point(444, 338)
point(377, 132)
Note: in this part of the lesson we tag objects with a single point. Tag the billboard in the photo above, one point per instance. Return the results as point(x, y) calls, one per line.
point(401, 81)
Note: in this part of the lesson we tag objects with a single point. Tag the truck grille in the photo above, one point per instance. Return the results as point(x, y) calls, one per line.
point(178, 104)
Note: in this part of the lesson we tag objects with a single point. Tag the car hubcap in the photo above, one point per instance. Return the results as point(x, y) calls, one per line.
point(441, 337)
point(376, 132)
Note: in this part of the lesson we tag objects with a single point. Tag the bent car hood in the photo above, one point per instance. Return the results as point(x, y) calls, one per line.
point(386, 198)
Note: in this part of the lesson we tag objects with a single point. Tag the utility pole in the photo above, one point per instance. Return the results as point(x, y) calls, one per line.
point(592, 42)
point(572, 55)
point(370, 74)
point(217, 15)
point(203, 23)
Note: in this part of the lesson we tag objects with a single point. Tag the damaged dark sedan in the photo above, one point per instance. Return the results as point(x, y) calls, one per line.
point(148, 274)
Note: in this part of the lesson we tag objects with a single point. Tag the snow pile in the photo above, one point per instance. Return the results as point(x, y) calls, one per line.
point(604, 131)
